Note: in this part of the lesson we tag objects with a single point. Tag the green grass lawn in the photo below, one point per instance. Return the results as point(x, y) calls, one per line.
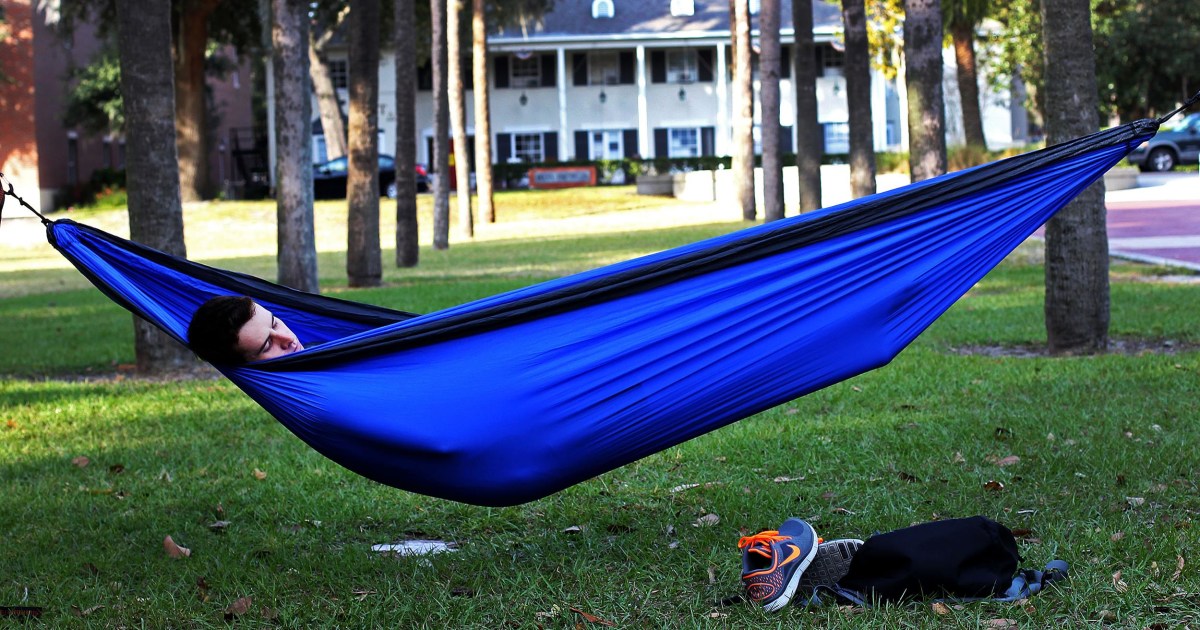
point(98, 466)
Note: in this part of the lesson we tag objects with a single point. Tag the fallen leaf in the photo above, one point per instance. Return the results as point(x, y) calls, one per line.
point(550, 614)
point(787, 479)
point(1118, 583)
point(1178, 569)
point(270, 614)
point(1008, 461)
point(165, 475)
point(592, 618)
point(259, 475)
point(362, 595)
point(841, 510)
point(717, 615)
point(1021, 532)
point(85, 612)
point(219, 526)
point(116, 469)
point(1117, 536)
point(958, 458)
point(82, 461)
point(238, 608)
point(175, 551)
point(1135, 502)
point(686, 486)
point(1004, 624)
point(941, 608)
point(574, 529)
point(202, 589)
point(909, 477)
point(856, 388)
point(712, 575)
point(993, 485)
point(12, 424)
point(707, 520)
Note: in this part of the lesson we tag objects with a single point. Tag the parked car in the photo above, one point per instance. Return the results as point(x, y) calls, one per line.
point(329, 178)
point(1172, 146)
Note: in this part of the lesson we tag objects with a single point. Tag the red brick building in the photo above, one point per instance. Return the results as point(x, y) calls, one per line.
point(45, 159)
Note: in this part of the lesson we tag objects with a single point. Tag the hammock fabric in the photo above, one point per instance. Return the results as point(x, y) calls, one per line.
point(513, 397)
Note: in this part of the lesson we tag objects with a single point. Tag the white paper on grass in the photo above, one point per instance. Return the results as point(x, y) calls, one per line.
point(415, 547)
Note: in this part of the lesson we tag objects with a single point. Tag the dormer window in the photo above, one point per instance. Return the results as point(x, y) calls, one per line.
point(683, 8)
point(602, 9)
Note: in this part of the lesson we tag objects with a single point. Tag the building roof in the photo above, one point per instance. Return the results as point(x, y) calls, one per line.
point(571, 20)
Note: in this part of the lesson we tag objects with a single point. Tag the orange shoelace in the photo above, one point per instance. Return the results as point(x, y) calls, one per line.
point(760, 543)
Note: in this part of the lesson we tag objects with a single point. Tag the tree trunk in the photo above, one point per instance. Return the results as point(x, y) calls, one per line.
point(327, 104)
point(483, 113)
point(364, 262)
point(858, 99)
point(191, 119)
point(297, 254)
point(407, 250)
point(923, 76)
point(1077, 292)
point(743, 112)
point(441, 126)
point(458, 116)
point(768, 77)
point(809, 135)
point(155, 211)
point(968, 84)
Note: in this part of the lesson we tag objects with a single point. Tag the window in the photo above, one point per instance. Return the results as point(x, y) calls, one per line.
point(72, 158)
point(606, 145)
point(106, 153)
point(832, 62)
point(602, 9)
point(604, 69)
point(837, 137)
point(682, 8)
point(683, 143)
point(339, 74)
point(527, 147)
point(755, 6)
point(525, 72)
point(681, 66)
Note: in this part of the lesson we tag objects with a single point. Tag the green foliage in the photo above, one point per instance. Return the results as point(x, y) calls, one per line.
point(1016, 52)
point(94, 100)
point(1147, 55)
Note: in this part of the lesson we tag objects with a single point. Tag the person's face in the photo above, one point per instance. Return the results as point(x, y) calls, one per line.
point(265, 336)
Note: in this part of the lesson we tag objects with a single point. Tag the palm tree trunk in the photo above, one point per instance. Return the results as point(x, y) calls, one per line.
point(483, 114)
point(1077, 290)
point(191, 119)
point(768, 76)
point(458, 116)
point(923, 76)
point(809, 136)
point(743, 112)
point(441, 126)
point(364, 263)
point(968, 83)
point(407, 250)
point(293, 129)
point(858, 99)
point(155, 210)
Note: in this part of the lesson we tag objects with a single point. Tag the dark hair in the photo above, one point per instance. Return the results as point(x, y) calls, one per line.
point(213, 333)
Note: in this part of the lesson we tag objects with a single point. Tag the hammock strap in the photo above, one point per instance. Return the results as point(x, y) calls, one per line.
point(1186, 104)
point(4, 194)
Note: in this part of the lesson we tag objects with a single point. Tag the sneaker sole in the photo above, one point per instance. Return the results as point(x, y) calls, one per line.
point(831, 563)
point(790, 588)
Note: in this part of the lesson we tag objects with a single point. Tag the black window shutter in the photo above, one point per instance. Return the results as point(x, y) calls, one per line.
point(704, 65)
point(658, 66)
point(468, 74)
point(785, 62)
point(626, 60)
point(425, 77)
point(501, 74)
point(660, 143)
point(630, 140)
point(708, 137)
point(579, 63)
point(550, 146)
point(549, 69)
point(503, 147)
point(581, 146)
point(786, 145)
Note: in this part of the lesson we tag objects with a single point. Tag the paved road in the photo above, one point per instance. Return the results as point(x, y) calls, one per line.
point(1158, 222)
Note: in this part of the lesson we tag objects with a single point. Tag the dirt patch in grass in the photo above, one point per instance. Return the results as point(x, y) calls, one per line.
point(1126, 347)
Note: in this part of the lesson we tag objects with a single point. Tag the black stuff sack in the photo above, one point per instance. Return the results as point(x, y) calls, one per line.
point(960, 558)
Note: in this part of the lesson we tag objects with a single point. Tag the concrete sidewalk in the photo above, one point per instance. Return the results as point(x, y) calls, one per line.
point(1157, 222)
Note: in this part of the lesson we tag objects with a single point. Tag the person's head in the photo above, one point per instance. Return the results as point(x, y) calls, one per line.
point(232, 330)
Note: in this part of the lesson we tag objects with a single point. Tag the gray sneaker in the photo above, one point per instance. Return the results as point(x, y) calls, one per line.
point(830, 564)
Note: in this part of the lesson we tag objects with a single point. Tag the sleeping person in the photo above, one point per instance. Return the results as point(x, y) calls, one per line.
point(232, 330)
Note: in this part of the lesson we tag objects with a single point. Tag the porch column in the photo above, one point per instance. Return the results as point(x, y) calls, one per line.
point(562, 104)
point(723, 132)
point(643, 113)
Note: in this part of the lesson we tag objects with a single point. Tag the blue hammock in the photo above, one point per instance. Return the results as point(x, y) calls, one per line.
point(516, 396)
